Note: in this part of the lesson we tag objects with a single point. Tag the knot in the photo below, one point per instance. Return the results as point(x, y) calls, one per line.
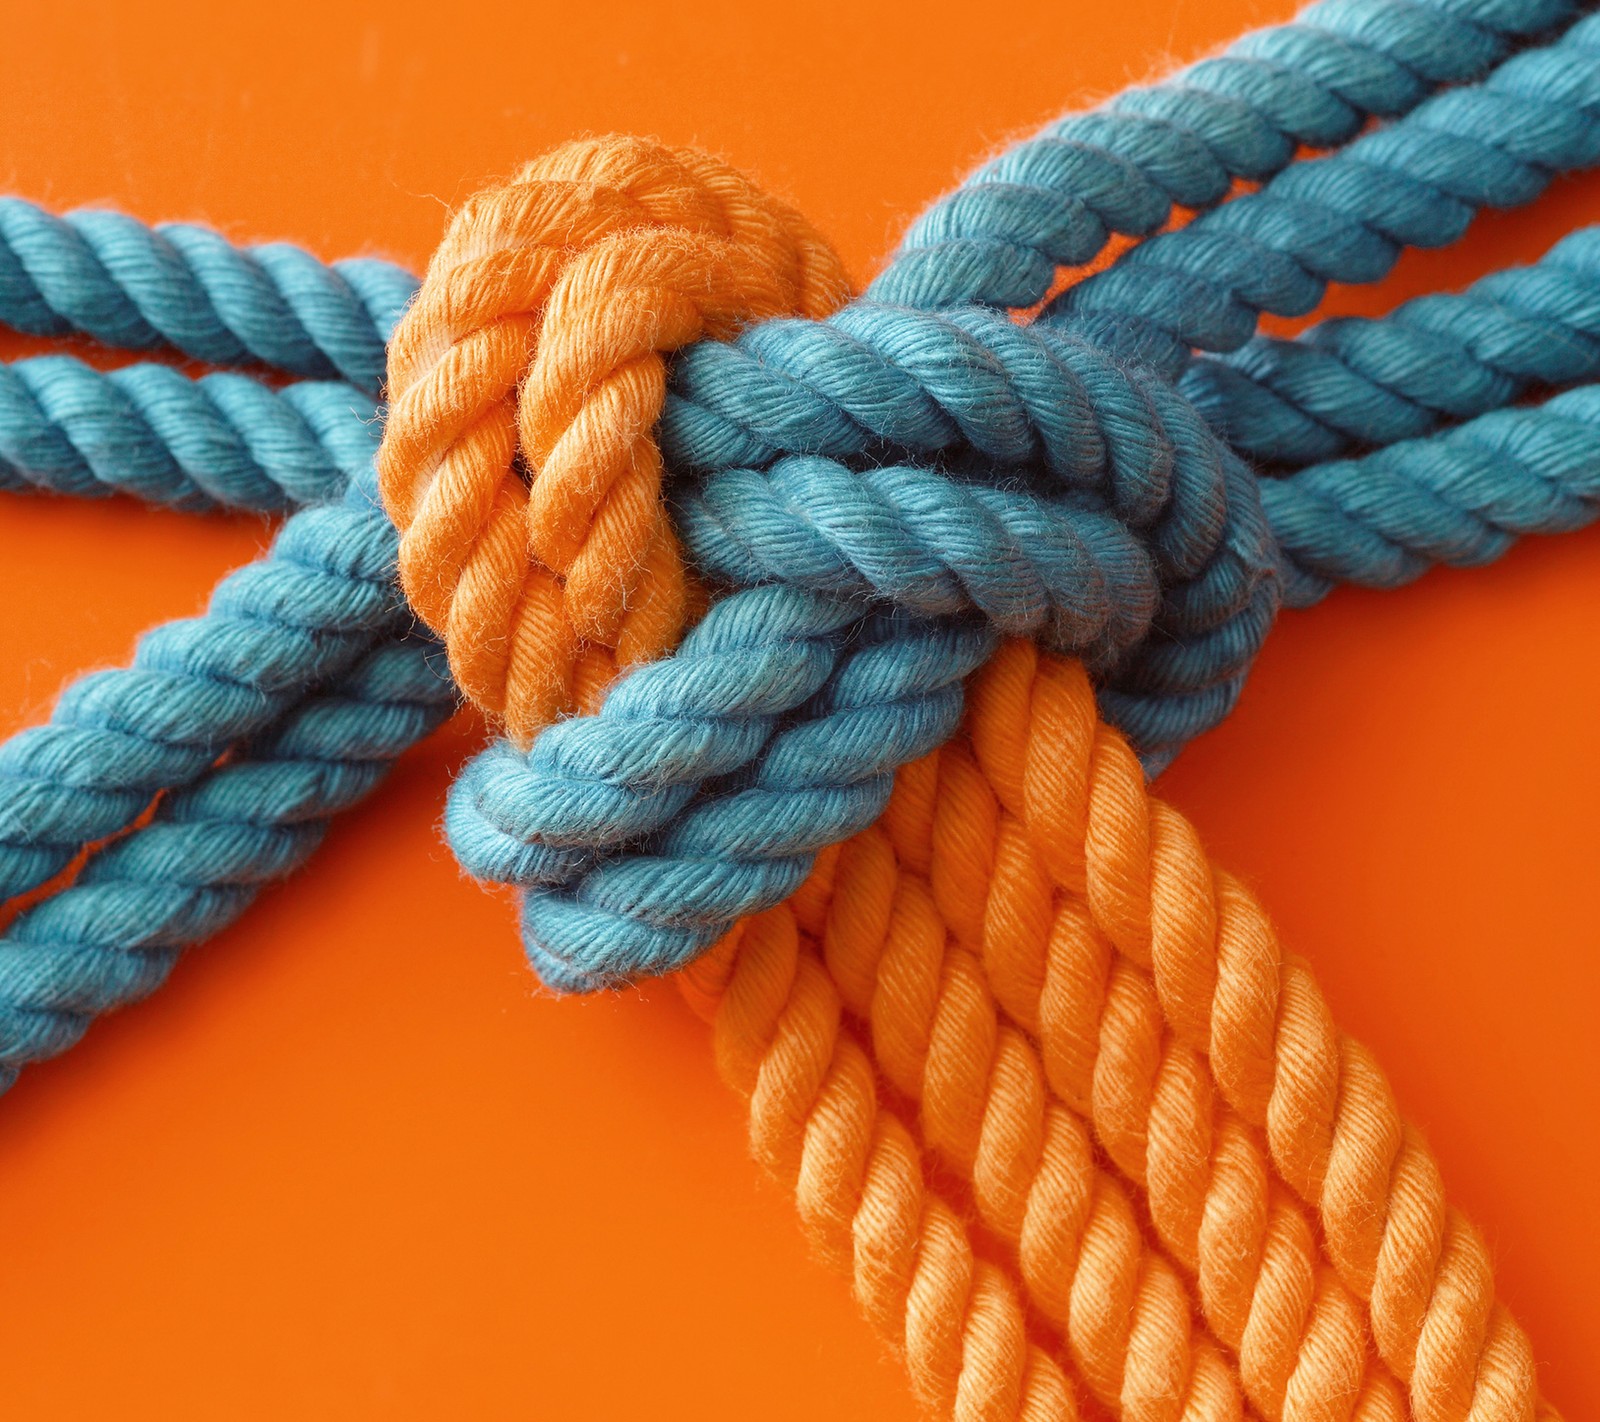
point(1042, 475)
point(519, 461)
point(1121, 529)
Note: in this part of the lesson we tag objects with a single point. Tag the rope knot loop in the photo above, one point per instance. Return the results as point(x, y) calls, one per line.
point(519, 460)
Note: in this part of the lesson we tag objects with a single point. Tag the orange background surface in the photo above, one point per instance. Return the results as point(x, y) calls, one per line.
point(348, 1164)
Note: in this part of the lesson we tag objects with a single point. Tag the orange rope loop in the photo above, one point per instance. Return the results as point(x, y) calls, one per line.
point(518, 460)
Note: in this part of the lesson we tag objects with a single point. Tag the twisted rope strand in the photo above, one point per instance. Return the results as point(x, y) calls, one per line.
point(111, 936)
point(591, 921)
point(1113, 437)
point(275, 631)
point(187, 288)
point(858, 1178)
point(222, 441)
point(1347, 217)
point(1052, 201)
point(1462, 498)
point(1229, 993)
point(987, 1108)
point(1358, 381)
point(1056, 568)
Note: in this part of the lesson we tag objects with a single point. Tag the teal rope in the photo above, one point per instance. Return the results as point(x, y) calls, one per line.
point(186, 288)
point(276, 630)
point(222, 441)
point(1052, 201)
point(1461, 498)
point(112, 935)
point(1357, 382)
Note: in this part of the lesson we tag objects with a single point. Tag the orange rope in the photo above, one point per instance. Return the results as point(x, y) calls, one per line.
point(860, 1184)
point(534, 348)
point(1141, 933)
point(1024, 888)
point(988, 1107)
point(1118, 1304)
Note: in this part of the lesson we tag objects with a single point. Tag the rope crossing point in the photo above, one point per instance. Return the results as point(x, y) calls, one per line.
point(1122, 527)
point(904, 544)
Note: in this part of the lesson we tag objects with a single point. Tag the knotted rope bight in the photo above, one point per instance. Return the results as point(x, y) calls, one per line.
point(523, 383)
point(926, 538)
